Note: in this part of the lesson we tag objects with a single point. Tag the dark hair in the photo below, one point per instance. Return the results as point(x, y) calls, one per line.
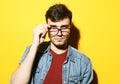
point(58, 12)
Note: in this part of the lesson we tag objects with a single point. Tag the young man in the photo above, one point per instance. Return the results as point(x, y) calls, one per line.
point(54, 62)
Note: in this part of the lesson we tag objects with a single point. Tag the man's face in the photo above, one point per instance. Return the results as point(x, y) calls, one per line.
point(59, 32)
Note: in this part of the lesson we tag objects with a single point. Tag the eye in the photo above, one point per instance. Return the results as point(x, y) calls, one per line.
point(64, 26)
point(53, 29)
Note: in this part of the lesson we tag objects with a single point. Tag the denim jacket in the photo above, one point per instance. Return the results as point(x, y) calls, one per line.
point(77, 69)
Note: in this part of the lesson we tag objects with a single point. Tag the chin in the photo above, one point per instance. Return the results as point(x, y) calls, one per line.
point(59, 44)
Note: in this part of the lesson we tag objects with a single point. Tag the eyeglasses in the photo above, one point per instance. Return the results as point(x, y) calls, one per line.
point(53, 30)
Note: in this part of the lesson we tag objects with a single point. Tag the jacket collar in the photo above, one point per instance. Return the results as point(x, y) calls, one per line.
point(69, 54)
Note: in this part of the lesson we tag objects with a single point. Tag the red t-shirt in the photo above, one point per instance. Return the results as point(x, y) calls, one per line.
point(54, 75)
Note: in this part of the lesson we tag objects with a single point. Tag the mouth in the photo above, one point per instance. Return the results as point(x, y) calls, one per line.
point(59, 39)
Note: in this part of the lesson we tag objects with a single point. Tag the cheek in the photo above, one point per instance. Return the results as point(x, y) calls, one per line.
point(68, 36)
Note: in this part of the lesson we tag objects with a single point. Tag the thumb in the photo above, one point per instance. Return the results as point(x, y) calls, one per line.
point(42, 40)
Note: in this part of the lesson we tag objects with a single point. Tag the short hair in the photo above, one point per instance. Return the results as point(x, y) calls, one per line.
point(58, 12)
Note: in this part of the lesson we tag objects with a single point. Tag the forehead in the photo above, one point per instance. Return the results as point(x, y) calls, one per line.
point(65, 21)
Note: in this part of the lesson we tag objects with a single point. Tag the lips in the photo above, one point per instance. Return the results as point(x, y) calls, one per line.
point(59, 38)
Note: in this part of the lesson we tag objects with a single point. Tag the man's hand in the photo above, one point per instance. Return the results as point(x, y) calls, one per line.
point(39, 33)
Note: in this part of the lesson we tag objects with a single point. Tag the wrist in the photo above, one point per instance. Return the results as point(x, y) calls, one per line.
point(35, 44)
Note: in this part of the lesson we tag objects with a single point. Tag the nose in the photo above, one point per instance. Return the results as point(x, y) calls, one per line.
point(59, 32)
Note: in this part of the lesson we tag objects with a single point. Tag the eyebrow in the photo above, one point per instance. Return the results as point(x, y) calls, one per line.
point(60, 26)
point(53, 26)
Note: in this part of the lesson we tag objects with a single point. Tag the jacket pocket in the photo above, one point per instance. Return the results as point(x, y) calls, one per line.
point(75, 79)
point(37, 76)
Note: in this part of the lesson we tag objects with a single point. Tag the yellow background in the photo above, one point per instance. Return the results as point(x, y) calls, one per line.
point(97, 20)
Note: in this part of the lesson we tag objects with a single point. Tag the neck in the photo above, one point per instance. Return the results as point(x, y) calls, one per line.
point(59, 49)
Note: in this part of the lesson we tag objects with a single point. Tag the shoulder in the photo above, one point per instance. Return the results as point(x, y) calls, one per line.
point(77, 54)
point(41, 48)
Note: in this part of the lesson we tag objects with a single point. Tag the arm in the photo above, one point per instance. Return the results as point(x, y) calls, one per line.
point(88, 75)
point(23, 72)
